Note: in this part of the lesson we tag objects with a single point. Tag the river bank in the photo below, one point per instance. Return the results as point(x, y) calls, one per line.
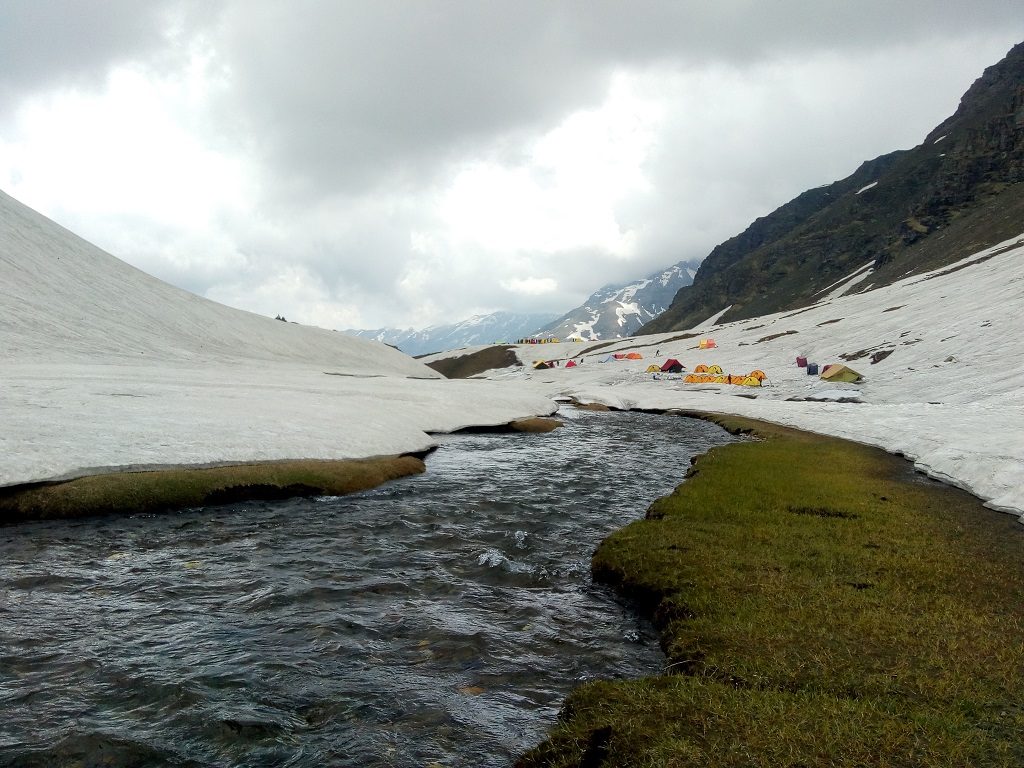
point(127, 493)
point(819, 603)
point(175, 488)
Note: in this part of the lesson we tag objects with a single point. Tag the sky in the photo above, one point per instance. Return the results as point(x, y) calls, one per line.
point(407, 163)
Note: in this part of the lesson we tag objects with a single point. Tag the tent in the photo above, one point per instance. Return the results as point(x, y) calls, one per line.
point(840, 373)
point(619, 355)
point(607, 359)
point(701, 369)
point(571, 364)
point(653, 368)
point(759, 374)
point(752, 381)
point(541, 365)
point(707, 344)
point(671, 366)
point(715, 369)
point(634, 356)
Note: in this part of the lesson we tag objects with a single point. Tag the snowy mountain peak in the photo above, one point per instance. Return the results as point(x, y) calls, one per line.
point(622, 309)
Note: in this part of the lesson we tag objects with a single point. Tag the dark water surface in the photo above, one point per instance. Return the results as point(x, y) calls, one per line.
point(439, 620)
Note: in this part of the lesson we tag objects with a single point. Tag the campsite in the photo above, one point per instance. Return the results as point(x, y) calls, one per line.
point(745, 491)
point(890, 382)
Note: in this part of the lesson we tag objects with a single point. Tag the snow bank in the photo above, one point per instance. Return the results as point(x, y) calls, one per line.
point(103, 367)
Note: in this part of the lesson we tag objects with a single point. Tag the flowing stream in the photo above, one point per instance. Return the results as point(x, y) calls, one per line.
point(436, 621)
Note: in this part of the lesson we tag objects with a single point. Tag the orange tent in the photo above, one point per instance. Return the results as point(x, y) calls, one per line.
point(759, 375)
point(701, 369)
point(634, 356)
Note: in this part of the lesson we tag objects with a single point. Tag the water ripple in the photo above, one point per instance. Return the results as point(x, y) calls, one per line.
point(441, 618)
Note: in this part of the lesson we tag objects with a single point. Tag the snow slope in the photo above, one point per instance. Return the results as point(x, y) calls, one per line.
point(942, 355)
point(104, 367)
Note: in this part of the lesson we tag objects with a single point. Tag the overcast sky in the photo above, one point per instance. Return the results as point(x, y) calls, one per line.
point(359, 164)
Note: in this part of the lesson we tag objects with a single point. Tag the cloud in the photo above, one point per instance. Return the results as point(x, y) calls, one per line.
point(530, 285)
point(353, 163)
point(69, 44)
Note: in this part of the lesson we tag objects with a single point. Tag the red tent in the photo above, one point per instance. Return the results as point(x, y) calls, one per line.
point(672, 366)
point(571, 364)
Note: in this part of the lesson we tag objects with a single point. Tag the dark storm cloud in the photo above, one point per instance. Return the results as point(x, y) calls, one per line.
point(341, 96)
point(74, 43)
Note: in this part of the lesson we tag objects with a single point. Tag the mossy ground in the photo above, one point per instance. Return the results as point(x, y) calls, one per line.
point(147, 492)
point(819, 605)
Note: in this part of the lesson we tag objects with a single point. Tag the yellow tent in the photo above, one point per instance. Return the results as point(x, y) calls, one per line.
point(715, 369)
point(653, 369)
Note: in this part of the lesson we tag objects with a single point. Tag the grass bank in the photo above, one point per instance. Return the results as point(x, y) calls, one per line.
point(157, 491)
point(820, 605)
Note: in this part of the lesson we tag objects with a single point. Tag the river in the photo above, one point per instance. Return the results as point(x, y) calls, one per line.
point(439, 620)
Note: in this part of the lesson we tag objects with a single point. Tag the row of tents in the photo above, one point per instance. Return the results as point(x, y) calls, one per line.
point(671, 366)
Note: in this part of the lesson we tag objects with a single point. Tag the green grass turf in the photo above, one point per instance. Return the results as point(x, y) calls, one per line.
point(156, 491)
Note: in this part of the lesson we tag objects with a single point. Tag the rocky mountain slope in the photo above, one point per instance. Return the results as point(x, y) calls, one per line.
point(960, 190)
point(479, 329)
point(615, 311)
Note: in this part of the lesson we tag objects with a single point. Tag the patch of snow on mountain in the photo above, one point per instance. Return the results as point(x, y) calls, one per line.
point(866, 187)
point(623, 310)
point(849, 277)
point(712, 320)
point(843, 287)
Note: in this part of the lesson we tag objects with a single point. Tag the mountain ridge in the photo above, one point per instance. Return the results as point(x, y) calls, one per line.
point(903, 212)
point(475, 330)
point(619, 310)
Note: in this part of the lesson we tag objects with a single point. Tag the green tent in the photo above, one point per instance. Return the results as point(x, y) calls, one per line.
point(840, 373)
